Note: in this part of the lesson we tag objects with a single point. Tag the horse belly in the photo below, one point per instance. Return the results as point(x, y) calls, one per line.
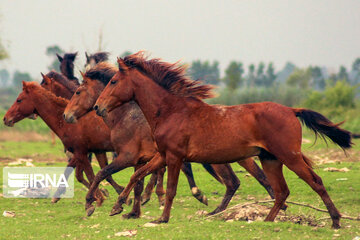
point(221, 153)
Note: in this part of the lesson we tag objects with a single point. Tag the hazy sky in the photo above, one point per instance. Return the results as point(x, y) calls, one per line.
point(325, 33)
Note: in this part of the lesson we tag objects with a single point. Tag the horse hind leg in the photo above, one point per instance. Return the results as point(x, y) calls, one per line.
point(231, 182)
point(160, 192)
point(300, 164)
point(149, 189)
point(251, 167)
point(196, 192)
point(273, 170)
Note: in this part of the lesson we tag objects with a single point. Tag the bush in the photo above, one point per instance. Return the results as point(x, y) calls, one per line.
point(285, 95)
point(340, 96)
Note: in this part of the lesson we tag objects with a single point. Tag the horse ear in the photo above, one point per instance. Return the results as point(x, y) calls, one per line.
point(87, 57)
point(25, 86)
point(122, 66)
point(59, 57)
point(46, 79)
point(73, 56)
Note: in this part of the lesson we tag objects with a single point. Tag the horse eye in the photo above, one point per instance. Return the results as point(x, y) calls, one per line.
point(77, 92)
point(18, 100)
point(113, 82)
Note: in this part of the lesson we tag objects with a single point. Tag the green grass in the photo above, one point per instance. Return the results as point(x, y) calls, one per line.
point(39, 219)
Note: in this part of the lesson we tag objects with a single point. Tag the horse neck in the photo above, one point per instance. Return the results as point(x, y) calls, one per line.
point(50, 112)
point(154, 101)
point(68, 70)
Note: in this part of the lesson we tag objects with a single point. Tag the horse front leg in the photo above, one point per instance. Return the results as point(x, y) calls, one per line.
point(157, 162)
point(103, 162)
point(61, 190)
point(174, 164)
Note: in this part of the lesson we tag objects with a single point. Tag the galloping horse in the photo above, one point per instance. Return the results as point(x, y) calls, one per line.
point(88, 135)
point(82, 102)
point(187, 129)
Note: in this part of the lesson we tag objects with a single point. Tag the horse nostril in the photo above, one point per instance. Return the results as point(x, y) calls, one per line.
point(64, 116)
point(4, 119)
point(96, 107)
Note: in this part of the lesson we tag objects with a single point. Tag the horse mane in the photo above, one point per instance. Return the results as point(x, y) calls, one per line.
point(102, 72)
point(170, 76)
point(62, 102)
point(60, 78)
point(99, 57)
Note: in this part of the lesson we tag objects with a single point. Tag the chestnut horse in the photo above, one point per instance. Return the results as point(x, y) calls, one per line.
point(94, 80)
point(186, 128)
point(61, 86)
point(67, 66)
point(89, 135)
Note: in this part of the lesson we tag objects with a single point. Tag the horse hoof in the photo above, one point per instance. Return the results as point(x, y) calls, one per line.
point(213, 212)
point(131, 215)
point(90, 210)
point(145, 201)
point(204, 200)
point(116, 211)
point(55, 200)
point(159, 221)
point(105, 192)
point(199, 195)
point(284, 207)
point(335, 226)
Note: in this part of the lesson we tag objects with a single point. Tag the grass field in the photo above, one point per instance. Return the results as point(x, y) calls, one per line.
point(39, 219)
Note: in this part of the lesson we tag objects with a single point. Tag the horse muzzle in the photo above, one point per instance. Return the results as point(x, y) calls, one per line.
point(100, 111)
point(69, 118)
point(8, 122)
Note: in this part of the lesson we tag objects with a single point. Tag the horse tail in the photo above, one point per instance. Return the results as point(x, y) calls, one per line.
point(212, 171)
point(324, 127)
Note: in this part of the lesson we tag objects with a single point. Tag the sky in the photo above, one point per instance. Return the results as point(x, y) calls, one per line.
point(305, 32)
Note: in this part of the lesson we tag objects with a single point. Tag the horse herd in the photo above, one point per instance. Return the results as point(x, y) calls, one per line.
point(152, 115)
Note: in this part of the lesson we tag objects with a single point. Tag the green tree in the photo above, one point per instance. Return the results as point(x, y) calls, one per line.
point(205, 71)
point(4, 77)
point(356, 69)
point(343, 75)
point(300, 78)
point(270, 75)
point(51, 51)
point(233, 75)
point(260, 76)
point(19, 77)
point(251, 76)
point(317, 78)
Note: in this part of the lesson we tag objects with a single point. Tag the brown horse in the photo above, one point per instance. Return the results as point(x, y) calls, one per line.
point(186, 128)
point(88, 135)
point(94, 81)
point(67, 66)
point(95, 58)
point(59, 85)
